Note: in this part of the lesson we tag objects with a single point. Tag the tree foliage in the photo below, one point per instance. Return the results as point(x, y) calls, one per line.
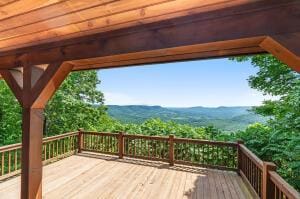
point(77, 104)
point(10, 116)
point(154, 127)
point(282, 142)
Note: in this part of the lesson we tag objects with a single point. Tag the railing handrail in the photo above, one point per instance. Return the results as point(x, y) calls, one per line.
point(46, 139)
point(202, 141)
point(100, 133)
point(258, 162)
point(233, 144)
point(10, 147)
point(285, 187)
point(57, 137)
point(148, 137)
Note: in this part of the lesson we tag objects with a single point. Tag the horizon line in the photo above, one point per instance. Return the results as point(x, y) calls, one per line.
point(236, 106)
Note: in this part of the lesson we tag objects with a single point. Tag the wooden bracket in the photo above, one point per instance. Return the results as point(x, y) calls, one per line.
point(33, 86)
point(13, 85)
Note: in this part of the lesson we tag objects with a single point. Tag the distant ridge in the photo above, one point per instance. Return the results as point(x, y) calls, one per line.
point(224, 118)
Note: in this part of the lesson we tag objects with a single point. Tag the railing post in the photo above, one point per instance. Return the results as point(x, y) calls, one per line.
point(266, 188)
point(171, 150)
point(239, 155)
point(80, 140)
point(121, 144)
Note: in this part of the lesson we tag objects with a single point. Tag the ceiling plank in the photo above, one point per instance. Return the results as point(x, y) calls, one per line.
point(65, 15)
point(115, 15)
point(197, 29)
point(103, 18)
point(6, 2)
point(22, 6)
point(62, 8)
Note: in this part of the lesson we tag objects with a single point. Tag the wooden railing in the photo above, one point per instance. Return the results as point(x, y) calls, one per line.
point(146, 147)
point(261, 177)
point(59, 146)
point(279, 188)
point(251, 168)
point(10, 160)
point(54, 148)
point(214, 154)
point(99, 142)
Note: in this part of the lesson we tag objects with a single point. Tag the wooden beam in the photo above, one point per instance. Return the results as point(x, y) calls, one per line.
point(37, 88)
point(286, 48)
point(238, 22)
point(214, 50)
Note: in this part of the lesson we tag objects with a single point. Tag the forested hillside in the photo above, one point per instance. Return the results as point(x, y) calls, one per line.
point(223, 118)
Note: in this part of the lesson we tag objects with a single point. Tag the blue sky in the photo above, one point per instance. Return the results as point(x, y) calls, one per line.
point(211, 83)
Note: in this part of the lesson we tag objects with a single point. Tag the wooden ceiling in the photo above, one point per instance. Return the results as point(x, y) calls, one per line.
point(42, 31)
point(28, 22)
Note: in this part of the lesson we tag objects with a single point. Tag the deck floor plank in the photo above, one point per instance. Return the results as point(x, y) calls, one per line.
point(92, 176)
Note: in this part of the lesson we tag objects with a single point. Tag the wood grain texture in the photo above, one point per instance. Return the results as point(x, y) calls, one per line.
point(97, 176)
point(31, 160)
point(284, 47)
point(168, 33)
point(41, 21)
point(12, 83)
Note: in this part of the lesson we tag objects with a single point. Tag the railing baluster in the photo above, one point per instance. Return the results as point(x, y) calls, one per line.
point(2, 163)
point(9, 162)
point(171, 150)
point(80, 140)
point(16, 160)
point(121, 145)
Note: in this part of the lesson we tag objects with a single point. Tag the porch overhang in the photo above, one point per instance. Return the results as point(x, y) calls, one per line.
point(204, 30)
point(76, 35)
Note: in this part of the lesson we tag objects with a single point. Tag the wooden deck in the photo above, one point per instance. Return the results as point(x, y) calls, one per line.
point(97, 176)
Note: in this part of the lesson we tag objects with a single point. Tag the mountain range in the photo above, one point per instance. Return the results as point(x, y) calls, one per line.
point(224, 118)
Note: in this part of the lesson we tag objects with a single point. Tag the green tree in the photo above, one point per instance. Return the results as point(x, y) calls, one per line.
point(283, 144)
point(76, 104)
point(10, 116)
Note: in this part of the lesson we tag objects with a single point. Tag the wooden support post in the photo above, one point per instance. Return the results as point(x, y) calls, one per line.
point(33, 87)
point(266, 188)
point(80, 140)
point(239, 156)
point(121, 144)
point(171, 150)
point(31, 175)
